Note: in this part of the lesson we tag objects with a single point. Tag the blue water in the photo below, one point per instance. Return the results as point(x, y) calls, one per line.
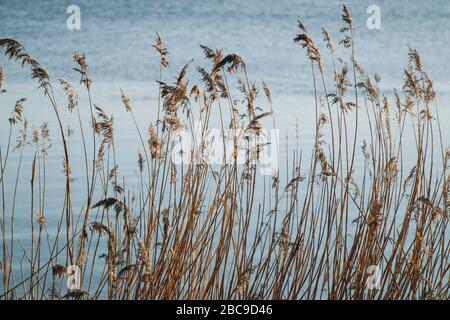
point(117, 37)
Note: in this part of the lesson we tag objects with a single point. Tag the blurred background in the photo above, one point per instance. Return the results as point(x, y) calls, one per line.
point(117, 38)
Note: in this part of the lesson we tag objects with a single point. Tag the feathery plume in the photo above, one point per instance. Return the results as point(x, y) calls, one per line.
point(159, 46)
point(72, 96)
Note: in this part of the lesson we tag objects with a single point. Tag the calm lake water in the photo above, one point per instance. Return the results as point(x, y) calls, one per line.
point(117, 37)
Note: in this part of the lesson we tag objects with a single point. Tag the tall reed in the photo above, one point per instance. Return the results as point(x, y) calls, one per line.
point(355, 218)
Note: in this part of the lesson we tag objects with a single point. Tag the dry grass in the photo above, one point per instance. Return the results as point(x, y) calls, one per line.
point(199, 231)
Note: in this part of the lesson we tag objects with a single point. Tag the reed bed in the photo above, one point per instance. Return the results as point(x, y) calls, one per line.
point(204, 231)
